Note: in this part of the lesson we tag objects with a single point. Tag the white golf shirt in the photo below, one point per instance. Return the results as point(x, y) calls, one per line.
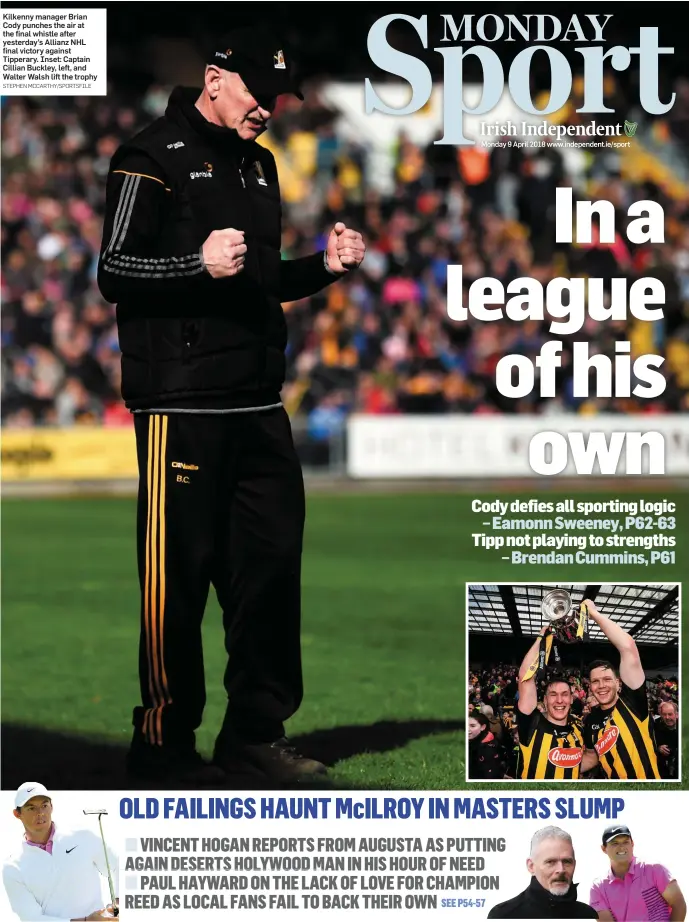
point(69, 884)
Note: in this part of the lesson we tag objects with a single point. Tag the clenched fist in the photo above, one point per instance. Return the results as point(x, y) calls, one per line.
point(224, 252)
point(345, 250)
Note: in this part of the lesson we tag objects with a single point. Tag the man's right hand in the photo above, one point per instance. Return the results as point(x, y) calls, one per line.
point(224, 253)
point(100, 915)
point(593, 612)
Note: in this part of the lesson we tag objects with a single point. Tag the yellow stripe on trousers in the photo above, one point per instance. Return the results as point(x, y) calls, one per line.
point(154, 588)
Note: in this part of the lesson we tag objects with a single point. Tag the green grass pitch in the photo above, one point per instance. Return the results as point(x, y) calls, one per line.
point(383, 632)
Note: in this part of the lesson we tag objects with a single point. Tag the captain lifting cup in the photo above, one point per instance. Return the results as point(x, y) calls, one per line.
point(491, 28)
point(566, 623)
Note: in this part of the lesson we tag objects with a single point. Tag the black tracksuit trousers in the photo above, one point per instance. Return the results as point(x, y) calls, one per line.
point(221, 502)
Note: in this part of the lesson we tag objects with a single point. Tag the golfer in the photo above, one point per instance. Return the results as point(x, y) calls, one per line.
point(551, 893)
point(191, 255)
point(54, 875)
point(633, 889)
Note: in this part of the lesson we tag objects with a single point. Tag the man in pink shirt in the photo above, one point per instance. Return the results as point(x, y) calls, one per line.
point(634, 891)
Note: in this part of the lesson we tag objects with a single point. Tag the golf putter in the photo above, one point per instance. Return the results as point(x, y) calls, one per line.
point(100, 814)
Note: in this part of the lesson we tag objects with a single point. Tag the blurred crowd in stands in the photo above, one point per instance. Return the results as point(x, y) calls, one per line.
point(380, 342)
point(493, 691)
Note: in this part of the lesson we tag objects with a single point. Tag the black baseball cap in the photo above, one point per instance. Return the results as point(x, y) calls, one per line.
point(260, 58)
point(613, 831)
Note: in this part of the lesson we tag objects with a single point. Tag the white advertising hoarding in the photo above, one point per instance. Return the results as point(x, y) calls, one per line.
point(498, 446)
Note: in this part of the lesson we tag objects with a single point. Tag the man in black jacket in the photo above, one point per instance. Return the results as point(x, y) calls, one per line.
point(666, 729)
point(551, 893)
point(191, 256)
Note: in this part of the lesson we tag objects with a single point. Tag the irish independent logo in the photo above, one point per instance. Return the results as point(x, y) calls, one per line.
point(630, 128)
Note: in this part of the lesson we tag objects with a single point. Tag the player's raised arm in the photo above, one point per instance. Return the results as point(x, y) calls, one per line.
point(631, 670)
point(528, 693)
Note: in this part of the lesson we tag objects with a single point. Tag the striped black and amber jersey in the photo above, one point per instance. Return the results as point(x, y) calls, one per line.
point(507, 717)
point(547, 750)
point(623, 736)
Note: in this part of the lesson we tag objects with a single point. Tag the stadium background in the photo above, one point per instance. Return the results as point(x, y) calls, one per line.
point(385, 567)
point(503, 620)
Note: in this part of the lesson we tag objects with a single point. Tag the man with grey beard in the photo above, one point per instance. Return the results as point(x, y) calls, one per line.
point(666, 731)
point(551, 893)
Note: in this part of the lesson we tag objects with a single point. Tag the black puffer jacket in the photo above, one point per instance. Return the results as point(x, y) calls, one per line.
point(538, 903)
point(187, 340)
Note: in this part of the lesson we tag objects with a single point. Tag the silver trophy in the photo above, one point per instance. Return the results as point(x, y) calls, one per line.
point(566, 623)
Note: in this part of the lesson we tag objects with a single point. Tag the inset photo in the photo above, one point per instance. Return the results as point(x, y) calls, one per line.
point(573, 682)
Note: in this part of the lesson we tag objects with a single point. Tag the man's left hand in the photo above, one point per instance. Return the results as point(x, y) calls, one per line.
point(346, 249)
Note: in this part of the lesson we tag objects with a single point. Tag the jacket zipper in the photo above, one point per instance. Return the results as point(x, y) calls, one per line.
point(264, 356)
point(188, 333)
